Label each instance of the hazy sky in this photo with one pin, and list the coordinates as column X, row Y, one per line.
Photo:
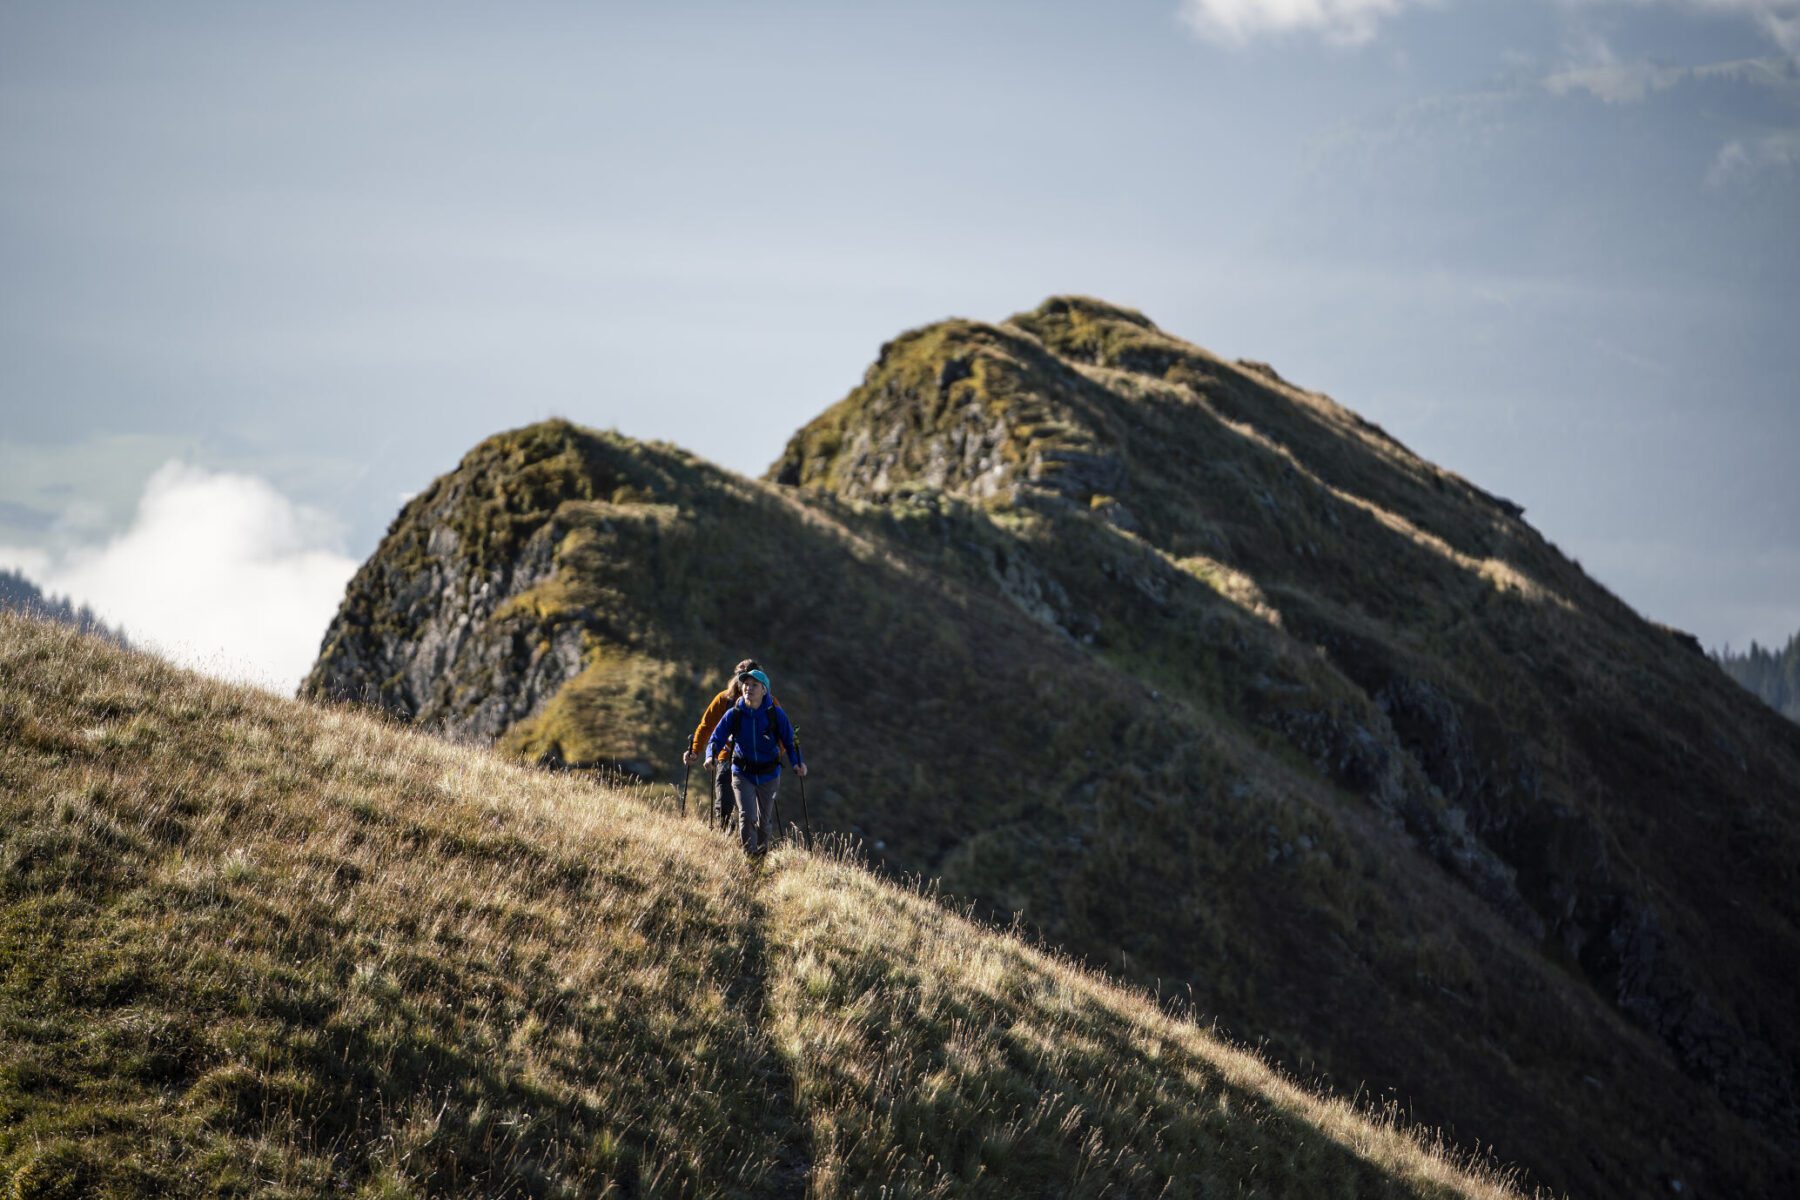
column 265, row 269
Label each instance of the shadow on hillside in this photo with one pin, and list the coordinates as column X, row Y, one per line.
column 784, row 1127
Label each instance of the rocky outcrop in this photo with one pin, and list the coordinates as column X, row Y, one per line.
column 972, row 409
column 440, row 627
column 438, row 634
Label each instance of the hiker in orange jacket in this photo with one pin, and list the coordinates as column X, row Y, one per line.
column 724, row 803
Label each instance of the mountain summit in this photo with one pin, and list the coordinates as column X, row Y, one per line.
column 1213, row 682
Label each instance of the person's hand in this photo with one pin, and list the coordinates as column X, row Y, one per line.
column 800, row 770
column 709, row 765
column 689, row 758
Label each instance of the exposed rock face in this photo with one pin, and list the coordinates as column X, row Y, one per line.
column 985, row 429
column 446, row 607
column 1210, row 678
column 1552, row 873
column 457, row 624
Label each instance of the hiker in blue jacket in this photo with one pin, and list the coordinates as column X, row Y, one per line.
column 759, row 728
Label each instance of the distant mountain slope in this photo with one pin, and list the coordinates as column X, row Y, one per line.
column 1211, row 680
column 254, row 947
column 19, row 594
column 1773, row 676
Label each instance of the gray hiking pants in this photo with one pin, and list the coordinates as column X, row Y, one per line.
column 754, row 801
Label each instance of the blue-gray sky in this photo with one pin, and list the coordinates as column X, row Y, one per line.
column 265, row 269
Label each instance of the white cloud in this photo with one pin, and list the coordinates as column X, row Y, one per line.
column 1613, row 81
column 218, row 571
column 1355, row 22
column 1740, row 159
column 26, row 560
column 1778, row 19
column 1235, row 22
column 1601, row 73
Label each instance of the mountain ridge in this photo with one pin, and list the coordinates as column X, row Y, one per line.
column 1315, row 670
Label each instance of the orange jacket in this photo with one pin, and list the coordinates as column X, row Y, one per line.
column 715, row 712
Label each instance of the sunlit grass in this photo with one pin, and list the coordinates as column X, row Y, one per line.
column 251, row 946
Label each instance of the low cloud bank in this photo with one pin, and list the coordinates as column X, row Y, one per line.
column 219, row 572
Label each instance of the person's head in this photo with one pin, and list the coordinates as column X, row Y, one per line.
column 738, row 672
column 753, row 685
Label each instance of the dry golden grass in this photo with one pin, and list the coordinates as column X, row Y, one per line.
column 949, row 1059
column 254, row 947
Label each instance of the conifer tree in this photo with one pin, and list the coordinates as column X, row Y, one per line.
column 1773, row 676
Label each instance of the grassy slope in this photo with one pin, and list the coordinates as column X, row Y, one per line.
column 251, row 947
column 1216, row 860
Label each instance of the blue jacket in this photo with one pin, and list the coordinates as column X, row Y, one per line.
column 758, row 732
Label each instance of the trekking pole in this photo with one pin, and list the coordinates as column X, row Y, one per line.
column 685, row 768
column 803, row 817
column 806, row 820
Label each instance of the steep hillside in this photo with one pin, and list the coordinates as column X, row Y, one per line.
column 1212, row 682
column 254, row 947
